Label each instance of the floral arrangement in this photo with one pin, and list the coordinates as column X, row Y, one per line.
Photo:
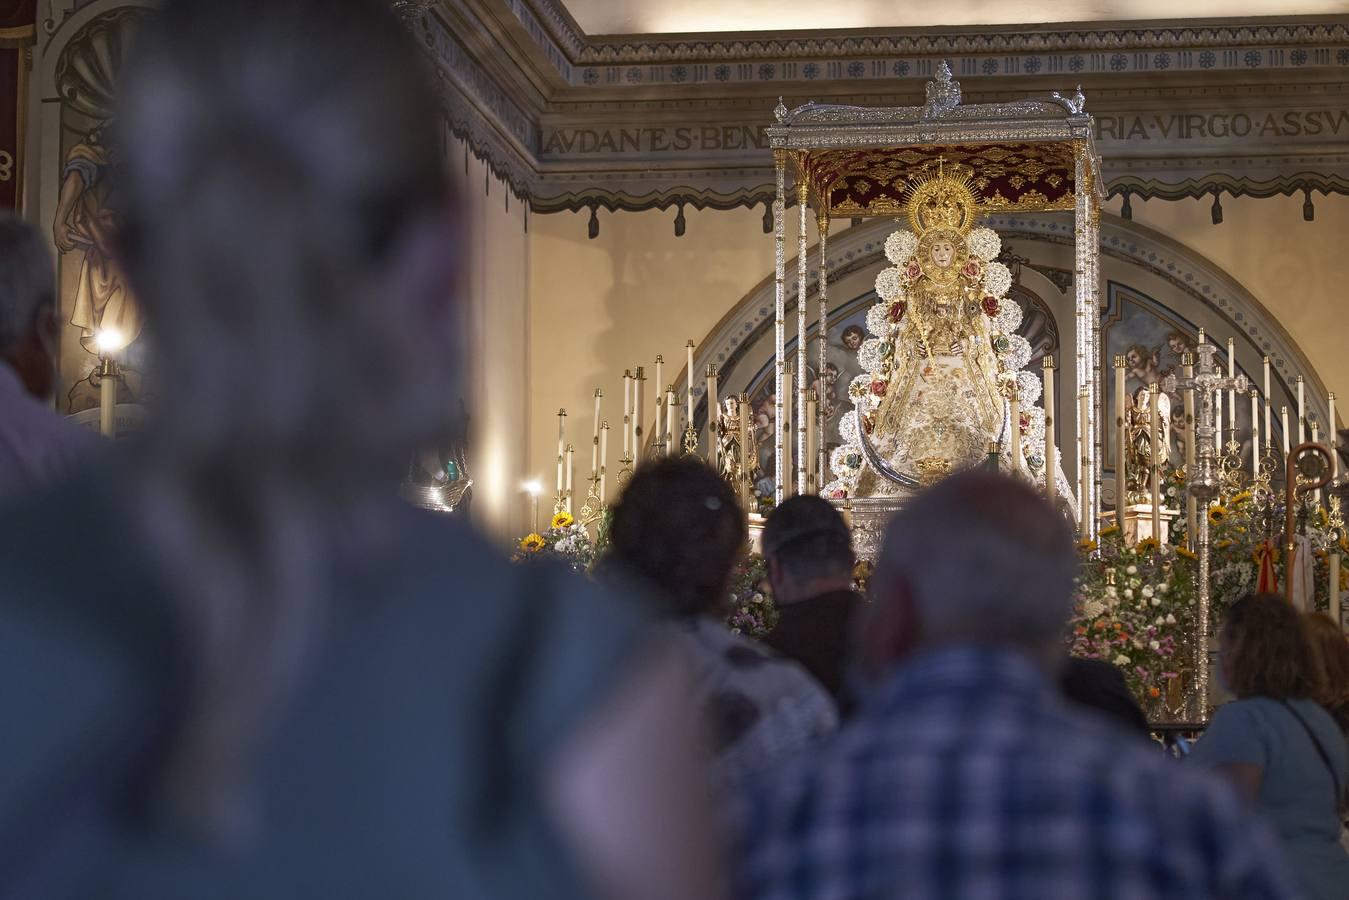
column 752, row 610
column 565, row 540
column 885, row 322
column 1135, row 609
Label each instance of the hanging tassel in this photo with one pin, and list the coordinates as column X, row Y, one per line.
column 679, row 222
column 1217, row 210
column 1267, row 581
column 1127, row 210
column 1308, row 210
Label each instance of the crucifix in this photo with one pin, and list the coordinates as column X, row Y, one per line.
column 1202, row 484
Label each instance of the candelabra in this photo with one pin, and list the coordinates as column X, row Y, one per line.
column 690, row 440
column 593, row 507
column 1203, row 484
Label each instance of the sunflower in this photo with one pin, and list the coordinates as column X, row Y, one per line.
column 1086, row 545
column 1147, row 545
column 533, row 543
column 1240, row 498
column 1221, row 545
column 1185, row 552
column 1217, row 514
column 1109, row 530
column 562, row 519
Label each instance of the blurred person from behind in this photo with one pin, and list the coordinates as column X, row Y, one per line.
column 1099, row 686
column 963, row 772
column 808, row 551
column 1330, row 652
column 678, row 529
column 267, row 676
column 1284, row 753
column 37, row 446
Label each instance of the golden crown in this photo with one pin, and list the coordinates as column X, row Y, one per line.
column 943, row 200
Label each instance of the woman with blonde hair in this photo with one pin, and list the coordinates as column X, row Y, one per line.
column 235, row 664
column 1330, row 653
column 1282, row 752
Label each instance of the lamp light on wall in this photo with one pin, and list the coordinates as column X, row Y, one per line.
column 533, row 489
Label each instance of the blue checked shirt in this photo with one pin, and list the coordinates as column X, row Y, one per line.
column 965, row 776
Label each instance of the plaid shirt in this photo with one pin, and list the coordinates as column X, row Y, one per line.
column 964, row 776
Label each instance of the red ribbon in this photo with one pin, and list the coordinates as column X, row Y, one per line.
column 1267, row 581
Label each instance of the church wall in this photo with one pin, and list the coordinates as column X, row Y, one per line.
column 1297, row 269
column 496, row 248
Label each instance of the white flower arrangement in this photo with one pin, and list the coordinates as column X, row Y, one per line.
column 888, row 285
column 1008, row 319
column 846, row 462
column 997, row 279
column 1019, row 353
column 835, row 490
column 874, row 355
column 901, row 246
column 847, row 429
column 984, row 243
column 878, row 320
column 1029, row 389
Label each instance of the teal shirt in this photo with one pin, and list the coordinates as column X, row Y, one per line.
column 1297, row 791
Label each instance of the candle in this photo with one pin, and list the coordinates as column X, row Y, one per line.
column 1316, row 438
column 745, row 488
column 812, row 406
column 1301, row 413
column 1201, row 336
column 1121, row 444
column 1334, row 592
column 1083, row 466
column 1231, row 392
column 571, row 464
column 659, row 430
column 604, row 459
column 669, row 420
column 1334, row 435
column 595, row 441
column 1154, row 428
column 107, row 400
column 639, row 383
column 1283, row 411
column 561, row 447
column 784, row 436
column 1018, row 457
column 688, row 398
column 1269, row 432
column 627, row 414
column 1218, row 421
column 1191, row 504
column 713, row 417
column 1255, row 433
column 1049, row 429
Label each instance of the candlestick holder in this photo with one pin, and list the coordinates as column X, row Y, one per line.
column 593, row 508
column 624, row 471
column 690, row 440
column 560, row 501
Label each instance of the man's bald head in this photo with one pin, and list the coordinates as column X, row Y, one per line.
column 978, row 558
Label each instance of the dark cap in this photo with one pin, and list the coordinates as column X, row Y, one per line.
column 802, row 516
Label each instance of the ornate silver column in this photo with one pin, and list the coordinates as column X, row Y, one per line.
column 1203, row 486
column 802, row 272
column 780, row 311
column 822, row 336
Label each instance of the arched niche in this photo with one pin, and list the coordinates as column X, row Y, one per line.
column 1153, row 288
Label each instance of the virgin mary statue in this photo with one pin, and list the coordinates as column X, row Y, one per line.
column 944, row 360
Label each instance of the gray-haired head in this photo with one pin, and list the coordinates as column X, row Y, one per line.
column 981, row 558
column 28, row 327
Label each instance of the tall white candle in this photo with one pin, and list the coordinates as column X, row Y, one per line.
column 627, row 414
column 1283, row 412
column 107, row 403
column 713, row 417
column 669, row 420
column 1121, row 444
column 561, row 447
column 1155, row 427
column 1269, row 431
column 1017, row 454
column 571, row 465
column 1316, row 438
column 786, row 433
column 1049, row 430
column 638, row 389
column 1218, row 420
column 688, row 394
column 812, row 405
column 1231, row 392
column 1334, row 439
column 1255, row 433
column 604, row 460
column 660, row 399
column 1301, row 412
column 595, row 440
